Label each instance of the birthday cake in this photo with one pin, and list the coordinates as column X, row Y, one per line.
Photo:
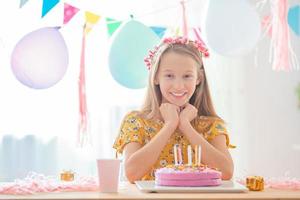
column 193, row 174
column 188, row 176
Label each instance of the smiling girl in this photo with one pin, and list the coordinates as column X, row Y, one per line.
column 177, row 110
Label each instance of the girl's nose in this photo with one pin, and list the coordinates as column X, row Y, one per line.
column 178, row 84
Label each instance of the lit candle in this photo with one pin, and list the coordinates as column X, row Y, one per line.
column 189, row 149
column 196, row 154
column 180, row 155
column 199, row 155
column 175, row 155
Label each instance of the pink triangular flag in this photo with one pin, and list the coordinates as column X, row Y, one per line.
column 69, row 12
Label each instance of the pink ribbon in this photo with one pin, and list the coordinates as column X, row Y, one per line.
column 285, row 183
column 38, row 183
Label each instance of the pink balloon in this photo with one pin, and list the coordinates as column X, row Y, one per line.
column 40, row 58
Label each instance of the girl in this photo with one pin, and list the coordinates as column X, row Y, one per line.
column 177, row 110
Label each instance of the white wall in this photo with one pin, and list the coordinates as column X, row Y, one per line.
column 260, row 106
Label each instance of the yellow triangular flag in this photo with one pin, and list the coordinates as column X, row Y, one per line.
column 177, row 31
column 90, row 19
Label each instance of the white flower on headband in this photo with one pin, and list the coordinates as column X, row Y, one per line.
column 178, row 40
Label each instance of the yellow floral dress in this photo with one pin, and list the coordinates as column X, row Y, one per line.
column 136, row 129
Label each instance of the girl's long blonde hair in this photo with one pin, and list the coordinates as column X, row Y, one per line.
column 201, row 98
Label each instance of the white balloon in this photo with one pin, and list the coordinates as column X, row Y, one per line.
column 40, row 59
column 232, row 27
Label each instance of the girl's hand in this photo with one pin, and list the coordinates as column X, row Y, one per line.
column 187, row 114
column 170, row 114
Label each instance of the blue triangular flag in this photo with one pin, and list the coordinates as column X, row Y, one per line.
column 160, row 31
column 294, row 19
column 48, row 5
column 22, row 3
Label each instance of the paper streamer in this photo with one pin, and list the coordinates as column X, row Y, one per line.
column 184, row 20
column 83, row 134
column 197, row 32
column 282, row 55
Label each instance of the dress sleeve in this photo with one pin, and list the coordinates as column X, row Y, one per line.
column 131, row 130
column 218, row 128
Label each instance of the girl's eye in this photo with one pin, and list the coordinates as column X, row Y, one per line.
column 169, row 75
column 188, row 76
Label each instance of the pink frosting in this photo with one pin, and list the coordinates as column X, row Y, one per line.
column 189, row 183
column 188, row 176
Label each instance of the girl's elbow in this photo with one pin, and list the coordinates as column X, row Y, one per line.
column 132, row 181
column 131, row 174
column 131, row 177
column 227, row 174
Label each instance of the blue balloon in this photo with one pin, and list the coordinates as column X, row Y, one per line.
column 294, row 19
column 130, row 45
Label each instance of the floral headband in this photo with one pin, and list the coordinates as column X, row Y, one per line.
column 177, row 40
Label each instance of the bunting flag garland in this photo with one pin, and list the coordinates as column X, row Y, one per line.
column 160, row 31
column 91, row 19
column 48, row 5
column 112, row 25
column 83, row 134
column 69, row 12
column 22, row 3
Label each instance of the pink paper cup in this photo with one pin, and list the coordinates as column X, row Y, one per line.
column 108, row 174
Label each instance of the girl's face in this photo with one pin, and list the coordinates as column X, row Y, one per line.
column 177, row 78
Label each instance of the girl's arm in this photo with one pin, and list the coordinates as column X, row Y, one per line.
column 140, row 159
column 214, row 153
